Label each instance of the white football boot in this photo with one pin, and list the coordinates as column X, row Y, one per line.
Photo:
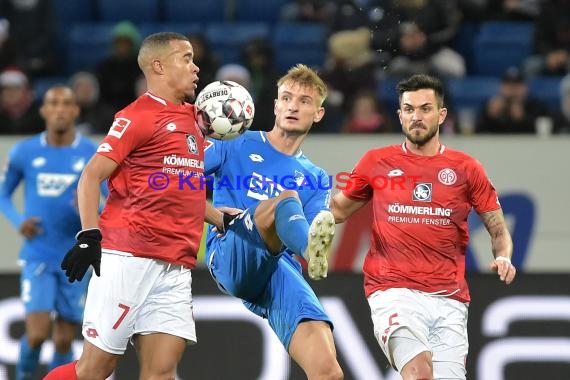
column 321, row 233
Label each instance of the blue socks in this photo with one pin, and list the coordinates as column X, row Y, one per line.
column 60, row 359
column 28, row 360
column 291, row 225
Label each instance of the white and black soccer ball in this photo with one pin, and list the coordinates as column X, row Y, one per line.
column 224, row 110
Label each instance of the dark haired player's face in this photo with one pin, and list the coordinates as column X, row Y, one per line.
column 181, row 70
column 59, row 109
column 420, row 116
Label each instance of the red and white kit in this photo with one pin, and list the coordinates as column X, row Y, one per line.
column 420, row 231
column 414, row 272
column 152, row 136
column 152, row 224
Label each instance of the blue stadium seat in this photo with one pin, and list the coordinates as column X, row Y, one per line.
column 507, row 30
column 546, row 89
column 256, row 10
column 388, row 95
column 67, row 14
column 71, row 12
column 41, row 85
column 471, row 92
column 87, row 44
column 119, row 10
column 464, row 41
column 227, row 38
column 184, row 28
column 299, row 43
column 500, row 44
column 195, row 11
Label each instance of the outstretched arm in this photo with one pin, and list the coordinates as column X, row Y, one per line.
column 9, row 181
column 343, row 207
column 97, row 170
column 87, row 250
column 502, row 245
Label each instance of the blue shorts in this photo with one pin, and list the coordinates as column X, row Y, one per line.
column 44, row 288
column 272, row 287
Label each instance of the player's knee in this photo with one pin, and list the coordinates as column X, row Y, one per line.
column 288, row 194
column 327, row 368
column 62, row 342
column 36, row 338
column 419, row 368
column 417, row 372
column 63, row 335
column 333, row 373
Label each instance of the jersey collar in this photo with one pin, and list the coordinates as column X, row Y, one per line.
column 263, row 136
column 74, row 144
column 160, row 100
column 441, row 148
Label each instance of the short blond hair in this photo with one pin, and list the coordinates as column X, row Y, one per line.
column 303, row 75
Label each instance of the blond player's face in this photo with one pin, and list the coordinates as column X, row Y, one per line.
column 420, row 115
column 181, row 71
column 297, row 107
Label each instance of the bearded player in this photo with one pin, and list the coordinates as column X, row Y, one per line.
column 414, row 272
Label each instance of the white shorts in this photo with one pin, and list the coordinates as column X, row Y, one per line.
column 137, row 295
column 408, row 322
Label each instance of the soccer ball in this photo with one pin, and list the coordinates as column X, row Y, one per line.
column 224, row 110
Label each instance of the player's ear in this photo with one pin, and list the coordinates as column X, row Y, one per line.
column 319, row 115
column 156, row 66
column 442, row 115
column 42, row 111
column 76, row 111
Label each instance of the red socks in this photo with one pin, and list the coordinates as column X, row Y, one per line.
column 64, row 372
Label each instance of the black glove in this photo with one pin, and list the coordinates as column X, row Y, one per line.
column 228, row 218
column 87, row 251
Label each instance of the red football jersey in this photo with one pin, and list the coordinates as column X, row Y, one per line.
column 420, row 207
column 156, row 203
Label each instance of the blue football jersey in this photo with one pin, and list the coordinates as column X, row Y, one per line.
column 50, row 175
column 249, row 169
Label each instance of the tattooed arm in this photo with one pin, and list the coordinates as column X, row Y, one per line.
column 502, row 245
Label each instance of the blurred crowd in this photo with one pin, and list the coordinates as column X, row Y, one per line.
column 367, row 42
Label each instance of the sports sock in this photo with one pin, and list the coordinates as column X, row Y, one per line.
column 60, row 359
column 291, row 225
column 64, row 372
column 28, row 360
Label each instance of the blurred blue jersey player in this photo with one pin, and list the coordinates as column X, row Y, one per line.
column 285, row 200
column 50, row 165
